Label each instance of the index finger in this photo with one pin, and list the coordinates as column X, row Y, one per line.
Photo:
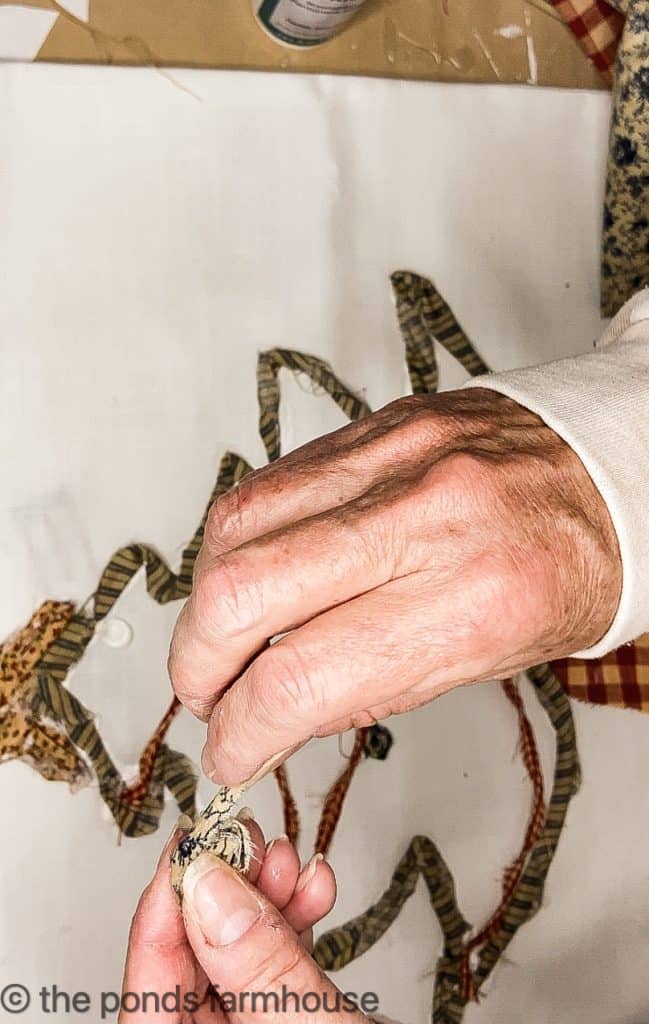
column 292, row 540
column 278, row 582
column 159, row 955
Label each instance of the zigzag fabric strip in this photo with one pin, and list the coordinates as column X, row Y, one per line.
column 322, row 376
column 319, row 372
column 407, row 290
column 333, row 802
column 339, row 946
column 136, row 809
column 425, row 318
column 512, row 874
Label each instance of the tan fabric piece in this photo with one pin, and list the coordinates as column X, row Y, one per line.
column 460, row 41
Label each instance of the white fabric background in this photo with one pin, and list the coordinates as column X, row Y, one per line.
column 152, row 241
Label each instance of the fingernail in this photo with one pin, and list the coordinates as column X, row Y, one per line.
column 306, row 875
column 246, row 814
column 268, row 766
column 183, row 824
column 283, row 838
column 213, row 773
column 219, row 901
column 207, row 762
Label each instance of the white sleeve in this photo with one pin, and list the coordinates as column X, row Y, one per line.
column 599, row 404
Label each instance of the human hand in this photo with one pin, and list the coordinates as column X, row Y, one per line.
column 238, row 935
column 444, row 540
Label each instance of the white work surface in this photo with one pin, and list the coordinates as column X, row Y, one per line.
column 153, row 239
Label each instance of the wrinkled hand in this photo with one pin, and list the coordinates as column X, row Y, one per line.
column 236, row 936
column 444, row 540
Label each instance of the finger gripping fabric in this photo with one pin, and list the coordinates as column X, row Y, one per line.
column 216, row 831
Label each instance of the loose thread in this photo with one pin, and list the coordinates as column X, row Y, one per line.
column 335, row 798
column 512, row 873
column 289, row 806
column 135, row 793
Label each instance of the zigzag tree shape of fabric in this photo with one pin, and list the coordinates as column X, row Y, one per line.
column 137, row 807
column 425, row 318
column 135, row 812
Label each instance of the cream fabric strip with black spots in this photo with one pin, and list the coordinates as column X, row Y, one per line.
column 625, row 240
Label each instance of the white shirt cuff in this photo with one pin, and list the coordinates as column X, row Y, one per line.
column 599, row 404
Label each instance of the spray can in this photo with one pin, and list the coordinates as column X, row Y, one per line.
column 304, row 22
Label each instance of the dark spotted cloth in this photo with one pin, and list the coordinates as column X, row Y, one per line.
column 625, row 240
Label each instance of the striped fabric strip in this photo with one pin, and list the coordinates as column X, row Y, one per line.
column 339, row 946
column 136, row 809
column 321, row 375
column 425, row 318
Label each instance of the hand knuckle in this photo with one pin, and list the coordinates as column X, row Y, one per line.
column 286, row 682
column 468, row 477
column 417, row 425
column 226, row 599
column 179, row 669
column 225, row 519
column 420, row 413
column 138, row 932
column 187, row 691
column 362, row 719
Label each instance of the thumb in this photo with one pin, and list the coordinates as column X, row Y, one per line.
column 252, row 957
